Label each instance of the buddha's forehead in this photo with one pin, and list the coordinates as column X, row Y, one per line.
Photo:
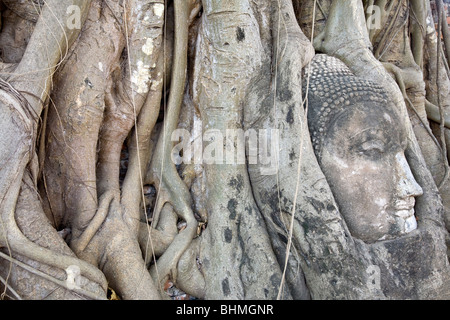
column 367, row 118
column 364, row 115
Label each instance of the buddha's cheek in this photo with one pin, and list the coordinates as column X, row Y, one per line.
column 363, row 191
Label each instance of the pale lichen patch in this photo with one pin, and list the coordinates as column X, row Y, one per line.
column 141, row 77
column 147, row 48
column 158, row 9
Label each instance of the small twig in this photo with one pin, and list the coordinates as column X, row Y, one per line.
column 321, row 10
column 8, row 287
column 387, row 32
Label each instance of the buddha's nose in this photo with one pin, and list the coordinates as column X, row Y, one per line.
column 407, row 186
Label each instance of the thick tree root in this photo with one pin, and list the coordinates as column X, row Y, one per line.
column 21, row 121
column 434, row 114
column 79, row 244
column 171, row 189
column 140, row 150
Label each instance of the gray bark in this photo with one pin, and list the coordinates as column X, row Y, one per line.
column 241, row 264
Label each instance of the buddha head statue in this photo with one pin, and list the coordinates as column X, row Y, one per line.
column 359, row 140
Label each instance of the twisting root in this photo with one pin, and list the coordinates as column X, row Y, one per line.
column 171, row 189
column 17, row 242
column 79, row 244
column 140, row 147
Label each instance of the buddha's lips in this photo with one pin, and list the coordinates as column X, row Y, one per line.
column 405, row 214
column 405, row 208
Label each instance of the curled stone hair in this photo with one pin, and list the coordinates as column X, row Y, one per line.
column 333, row 88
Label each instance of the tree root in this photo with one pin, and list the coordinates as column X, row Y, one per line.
column 29, row 10
column 140, row 148
column 153, row 240
column 94, row 231
column 21, row 245
column 190, row 277
column 49, row 42
column 12, row 180
column 79, row 244
column 383, row 45
column 430, row 109
column 397, row 72
column 112, row 240
column 418, row 30
column 58, row 282
column 434, row 114
column 171, row 189
column 16, row 242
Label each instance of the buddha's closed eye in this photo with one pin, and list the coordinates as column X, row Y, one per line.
column 373, row 147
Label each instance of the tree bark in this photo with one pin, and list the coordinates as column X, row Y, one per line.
column 89, row 178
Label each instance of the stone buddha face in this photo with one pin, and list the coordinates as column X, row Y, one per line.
column 359, row 140
column 364, row 162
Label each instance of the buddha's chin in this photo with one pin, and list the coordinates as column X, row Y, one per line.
column 410, row 224
column 406, row 221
